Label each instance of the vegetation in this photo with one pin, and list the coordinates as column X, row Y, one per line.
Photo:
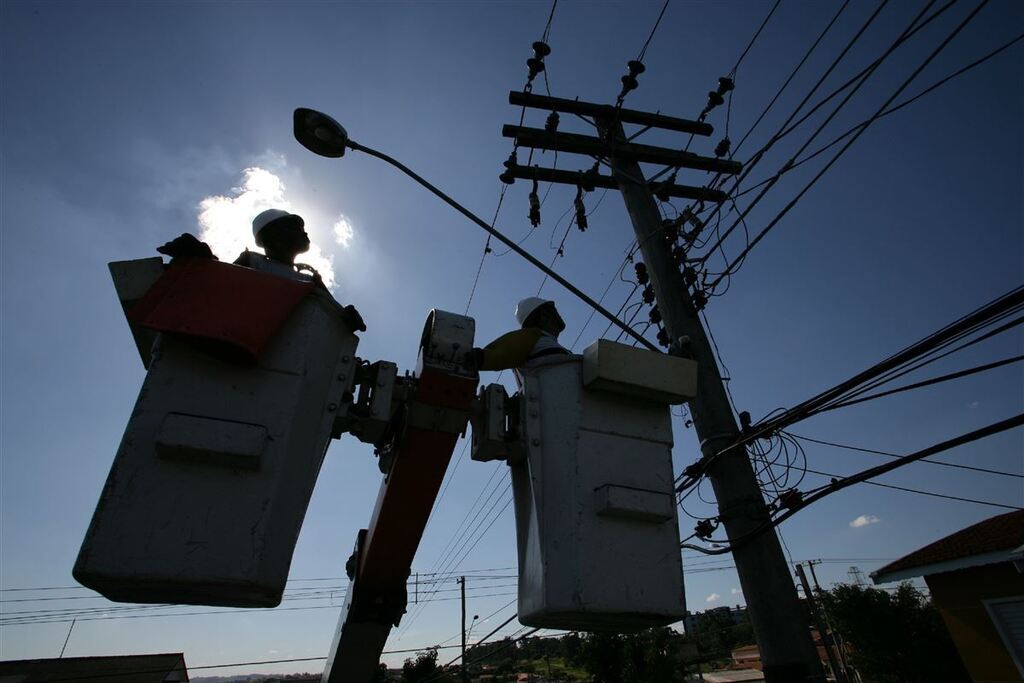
column 893, row 637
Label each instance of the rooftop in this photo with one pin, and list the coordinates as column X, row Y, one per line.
column 990, row 541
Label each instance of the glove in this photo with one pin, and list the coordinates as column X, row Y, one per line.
column 186, row 246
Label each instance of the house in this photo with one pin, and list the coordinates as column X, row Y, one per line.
column 976, row 578
column 160, row 668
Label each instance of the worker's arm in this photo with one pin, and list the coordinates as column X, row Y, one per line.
column 508, row 351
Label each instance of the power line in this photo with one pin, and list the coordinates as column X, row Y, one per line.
column 754, row 38
column 654, row 29
column 929, row 382
column 891, row 110
column 795, row 200
column 906, row 360
column 922, row 493
column 792, row 75
column 887, row 454
column 861, row 477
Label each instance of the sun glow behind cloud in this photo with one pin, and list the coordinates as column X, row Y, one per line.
column 225, row 221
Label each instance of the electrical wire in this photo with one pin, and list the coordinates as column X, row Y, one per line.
column 891, row 110
column 654, row 29
column 859, row 449
column 913, row 357
column 922, row 493
column 863, row 476
column 860, row 131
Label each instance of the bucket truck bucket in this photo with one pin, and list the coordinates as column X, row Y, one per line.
column 592, row 477
column 247, row 375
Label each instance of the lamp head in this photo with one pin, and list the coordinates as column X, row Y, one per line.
column 319, row 133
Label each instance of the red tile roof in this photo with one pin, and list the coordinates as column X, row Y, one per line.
column 1002, row 532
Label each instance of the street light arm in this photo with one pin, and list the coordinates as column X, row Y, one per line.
column 506, row 241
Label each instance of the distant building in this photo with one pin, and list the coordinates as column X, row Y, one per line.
column 691, row 621
column 162, row 668
column 976, row 581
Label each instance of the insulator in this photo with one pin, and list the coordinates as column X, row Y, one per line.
column 641, row 273
column 635, row 67
column 648, row 295
column 678, row 254
column 700, row 300
column 629, row 83
column 536, row 66
column 725, row 84
column 542, row 50
column 581, row 210
column 745, row 421
column 714, row 100
column 551, row 125
column 663, row 337
column 655, row 315
column 510, row 163
column 689, row 276
column 534, row 206
column 722, row 148
column 488, row 250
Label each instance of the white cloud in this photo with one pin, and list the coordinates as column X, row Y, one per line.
column 714, row 597
column 343, row 231
column 736, row 591
column 225, row 221
column 864, row 520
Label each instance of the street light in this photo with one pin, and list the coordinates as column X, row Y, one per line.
column 471, row 625
column 319, row 133
column 322, row 135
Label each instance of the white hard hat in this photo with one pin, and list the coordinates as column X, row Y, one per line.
column 269, row 216
column 527, row 306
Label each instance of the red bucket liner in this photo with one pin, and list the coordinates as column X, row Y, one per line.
column 236, row 307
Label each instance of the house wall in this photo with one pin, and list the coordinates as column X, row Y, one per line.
column 958, row 596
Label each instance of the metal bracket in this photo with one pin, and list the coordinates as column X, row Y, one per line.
column 494, row 421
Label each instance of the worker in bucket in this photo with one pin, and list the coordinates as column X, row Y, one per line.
column 534, row 344
column 282, row 236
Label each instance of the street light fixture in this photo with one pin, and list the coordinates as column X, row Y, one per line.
column 322, row 135
column 319, row 133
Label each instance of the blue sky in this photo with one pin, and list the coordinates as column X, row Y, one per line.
column 124, row 125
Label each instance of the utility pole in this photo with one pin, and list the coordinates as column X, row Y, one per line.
column 819, row 623
column 837, row 638
column 465, row 672
column 779, row 621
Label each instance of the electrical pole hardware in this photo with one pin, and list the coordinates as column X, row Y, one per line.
column 779, row 620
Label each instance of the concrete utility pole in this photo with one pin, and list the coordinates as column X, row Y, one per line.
column 819, row 623
column 779, row 620
column 837, row 638
column 465, row 672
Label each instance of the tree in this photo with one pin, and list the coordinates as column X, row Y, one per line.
column 650, row 656
column 894, row 637
column 424, row 668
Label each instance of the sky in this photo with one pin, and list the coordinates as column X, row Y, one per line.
column 123, row 125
